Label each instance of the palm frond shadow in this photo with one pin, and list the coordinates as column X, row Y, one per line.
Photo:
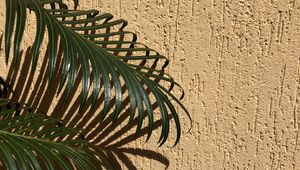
column 42, row 96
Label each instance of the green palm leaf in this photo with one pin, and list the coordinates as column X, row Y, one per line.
column 85, row 46
column 35, row 141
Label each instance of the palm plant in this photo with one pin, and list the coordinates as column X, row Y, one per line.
column 115, row 71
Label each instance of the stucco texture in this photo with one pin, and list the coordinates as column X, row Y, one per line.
column 239, row 64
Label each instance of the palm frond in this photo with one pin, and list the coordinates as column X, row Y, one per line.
column 85, row 46
column 35, row 141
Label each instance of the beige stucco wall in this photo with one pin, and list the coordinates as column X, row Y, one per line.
column 239, row 63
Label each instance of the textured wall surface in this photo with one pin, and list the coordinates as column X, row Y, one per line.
column 239, row 63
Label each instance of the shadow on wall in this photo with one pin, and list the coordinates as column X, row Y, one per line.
column 109, row 136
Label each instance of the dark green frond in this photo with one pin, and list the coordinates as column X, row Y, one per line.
column 35, row 141
column 106, row 58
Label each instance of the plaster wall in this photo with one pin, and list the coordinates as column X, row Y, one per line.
column 239, row 63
